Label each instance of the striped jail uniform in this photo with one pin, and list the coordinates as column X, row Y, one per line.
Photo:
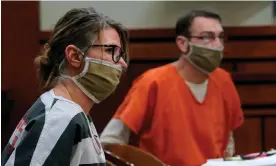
column 54, row 132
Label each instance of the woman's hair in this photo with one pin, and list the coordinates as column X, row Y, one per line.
column 79, row 27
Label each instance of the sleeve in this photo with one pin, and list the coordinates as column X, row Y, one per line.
column 115, row 132
column 137, row 109
column 47, row 140
column 237, row 113
column 230, row 149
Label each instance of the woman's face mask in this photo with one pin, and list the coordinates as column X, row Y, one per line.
column 98, row 79
column 204, row 58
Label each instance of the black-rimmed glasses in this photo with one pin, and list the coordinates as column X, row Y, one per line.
column 115, row 51
column 209, row 38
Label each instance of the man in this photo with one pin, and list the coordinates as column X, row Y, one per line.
column 185, row 112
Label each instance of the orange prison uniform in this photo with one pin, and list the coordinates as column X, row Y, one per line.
column 172, row 124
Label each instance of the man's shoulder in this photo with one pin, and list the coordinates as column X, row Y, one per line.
column 221, row 74
column 222, row 79
column 221, row 71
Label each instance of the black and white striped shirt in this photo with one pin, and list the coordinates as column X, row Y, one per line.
column 54, row 132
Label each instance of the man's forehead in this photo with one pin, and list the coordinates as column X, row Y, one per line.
column 203, row 24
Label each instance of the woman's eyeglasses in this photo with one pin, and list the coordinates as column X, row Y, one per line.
column 115, row 51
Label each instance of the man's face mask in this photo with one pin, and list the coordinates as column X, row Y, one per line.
column 98, row 79
column 204, row 58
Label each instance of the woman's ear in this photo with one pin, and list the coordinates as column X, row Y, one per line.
column 73, row 56
column 182, row 44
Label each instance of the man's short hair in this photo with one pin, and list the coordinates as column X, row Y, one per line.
column 183, row 24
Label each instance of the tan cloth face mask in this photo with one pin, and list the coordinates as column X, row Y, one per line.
column 98, row 79
column 203, row 58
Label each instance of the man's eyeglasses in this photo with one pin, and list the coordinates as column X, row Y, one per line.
column 115, row 51
column 209, row 38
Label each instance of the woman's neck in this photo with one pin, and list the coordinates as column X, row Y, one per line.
column 69, row 90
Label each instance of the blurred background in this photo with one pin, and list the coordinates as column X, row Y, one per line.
column 250, row 55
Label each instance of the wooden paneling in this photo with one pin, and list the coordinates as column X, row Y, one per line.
column 256, row 68
column 260, row 113
column 233, row 50
column 169, row 33
column 248, row 137
column 270, row 132
column 153, row 51
column 20, row 27
column 265, row 129
column 257, row 94
column 251, row 31
column 267, row 125
column 250, row 49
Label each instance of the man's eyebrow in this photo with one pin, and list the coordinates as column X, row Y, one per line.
column 211, row 32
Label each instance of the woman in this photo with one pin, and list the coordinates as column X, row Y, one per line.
column 82, row 65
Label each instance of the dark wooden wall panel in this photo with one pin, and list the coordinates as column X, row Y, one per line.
column 270, row 132
column 257, row 68
column 20, row 27
column 257, row 94
column 153, row 51
column 238, row 50
column 248, row 137
column 250, row 49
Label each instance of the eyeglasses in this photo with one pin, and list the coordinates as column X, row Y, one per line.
column 115, row 51
column 209, row 38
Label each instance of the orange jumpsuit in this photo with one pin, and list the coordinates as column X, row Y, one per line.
column 172, row 124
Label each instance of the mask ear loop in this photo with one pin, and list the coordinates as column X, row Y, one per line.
column 61, row 65
column 189, row 46
column 190, row 49
column 82, row 55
